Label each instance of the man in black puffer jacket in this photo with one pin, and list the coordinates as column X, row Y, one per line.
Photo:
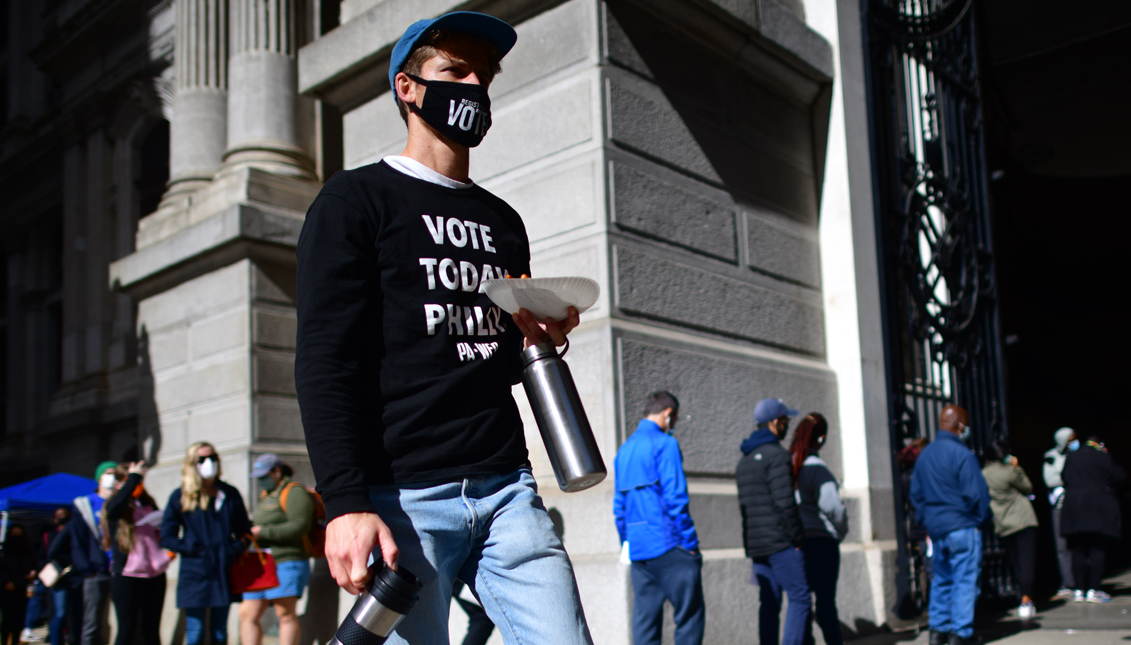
column 771, row 524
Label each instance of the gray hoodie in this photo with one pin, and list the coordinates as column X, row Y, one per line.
column 818, row 497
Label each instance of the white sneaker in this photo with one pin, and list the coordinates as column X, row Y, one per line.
column 1078, row 595
column 1026, row 611
column 28, row 636
column 1065, row 592
column 1095, row 595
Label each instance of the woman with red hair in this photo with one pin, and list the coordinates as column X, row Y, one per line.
column 824, row 519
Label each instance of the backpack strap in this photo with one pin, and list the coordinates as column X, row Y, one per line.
column 83, row 506
column 283, row 495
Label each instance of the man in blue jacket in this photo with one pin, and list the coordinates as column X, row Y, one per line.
column 651, row 510
column 951, row 500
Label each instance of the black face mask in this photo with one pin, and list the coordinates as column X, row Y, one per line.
column 459, row 111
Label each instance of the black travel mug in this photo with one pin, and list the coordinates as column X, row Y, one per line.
column 380, row 609
column 561, row 419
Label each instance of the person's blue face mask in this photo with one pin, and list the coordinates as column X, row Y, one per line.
column 267, row 483
column 1073, row 445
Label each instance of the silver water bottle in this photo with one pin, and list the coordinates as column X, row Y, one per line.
column 561, row 419
column 379, row 610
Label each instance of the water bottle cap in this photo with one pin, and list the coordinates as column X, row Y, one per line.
column 539, row 352
column 395, row 589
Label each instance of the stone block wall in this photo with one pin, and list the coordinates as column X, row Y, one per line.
column 673, row 153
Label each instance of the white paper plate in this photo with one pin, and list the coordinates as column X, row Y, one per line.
column 543, row 297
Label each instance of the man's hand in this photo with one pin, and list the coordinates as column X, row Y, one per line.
column 138, row 468
column 350, row 539
column 538, row 331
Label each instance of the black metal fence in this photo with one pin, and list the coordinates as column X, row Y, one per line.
column 936, row 250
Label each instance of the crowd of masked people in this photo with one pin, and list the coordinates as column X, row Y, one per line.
column 951, row 500
column 793, row 520
column 114, row 546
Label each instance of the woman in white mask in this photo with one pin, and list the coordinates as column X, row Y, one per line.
column 206, row 523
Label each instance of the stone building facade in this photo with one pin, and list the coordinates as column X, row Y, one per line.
column 705, row 161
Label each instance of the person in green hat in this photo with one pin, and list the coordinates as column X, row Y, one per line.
column 91, row 561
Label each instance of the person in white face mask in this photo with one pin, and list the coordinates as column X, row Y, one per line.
column 206, row 522
column 91, row 561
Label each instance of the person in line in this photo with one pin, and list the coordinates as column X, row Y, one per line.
column 952, row 501
column 91, row 561
column 651, row 510
column 37, row 599
column 206, row 523
column 66, row 595
column 137, row 562
column 825, row 520
column 281, row 522
column 1091, row 518
column 916, row 534
column 772, row 531
column 1051, row 470
column 17, row 570
column 404, row 377
column 1014, row 519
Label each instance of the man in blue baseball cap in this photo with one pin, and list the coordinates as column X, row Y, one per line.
column 772, row 531
column 404, row 367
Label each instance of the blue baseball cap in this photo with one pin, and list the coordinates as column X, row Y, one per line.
column 264, row 464
column 499, row 33
column 769, row 409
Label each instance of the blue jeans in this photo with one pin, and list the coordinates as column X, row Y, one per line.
column 784, row 570
column 194, row 624
column 954, row 581
column 676, row 576
column 822, row 568
column 493, row 533
column 35, row 605
column 62, row 599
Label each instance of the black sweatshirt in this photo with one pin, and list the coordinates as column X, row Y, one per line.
column 403, row 366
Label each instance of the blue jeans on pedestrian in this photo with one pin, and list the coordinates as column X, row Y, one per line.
column 782, row 571
column 61, row 598
column 676, row 576
column 493, row 533
column 954, row 581
column 194, row 624
column 822, row 568
column 35, row 605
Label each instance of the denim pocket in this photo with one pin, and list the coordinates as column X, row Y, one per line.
column 960, row 541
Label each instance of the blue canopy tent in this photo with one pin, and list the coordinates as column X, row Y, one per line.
column 38, row 498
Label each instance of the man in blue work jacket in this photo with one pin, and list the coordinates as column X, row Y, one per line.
column 651, row 510
column 951, row 499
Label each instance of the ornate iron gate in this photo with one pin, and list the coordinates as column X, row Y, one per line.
column 936, row 253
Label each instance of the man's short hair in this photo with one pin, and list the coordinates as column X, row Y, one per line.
column 659, row 401
column 429, row 47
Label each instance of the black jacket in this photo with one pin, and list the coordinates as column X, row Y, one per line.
column 1090, row 503
column 770, row 517
column 83, row 547
column 59, row 552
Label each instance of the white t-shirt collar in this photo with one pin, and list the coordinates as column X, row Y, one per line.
column 414, row 168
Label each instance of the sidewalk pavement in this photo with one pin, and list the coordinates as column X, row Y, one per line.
column 1058, row 622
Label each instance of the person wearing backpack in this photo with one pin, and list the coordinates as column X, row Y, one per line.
column 282, row 522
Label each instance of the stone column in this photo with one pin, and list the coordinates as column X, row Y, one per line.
column 198, row 133
column 261, row 105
